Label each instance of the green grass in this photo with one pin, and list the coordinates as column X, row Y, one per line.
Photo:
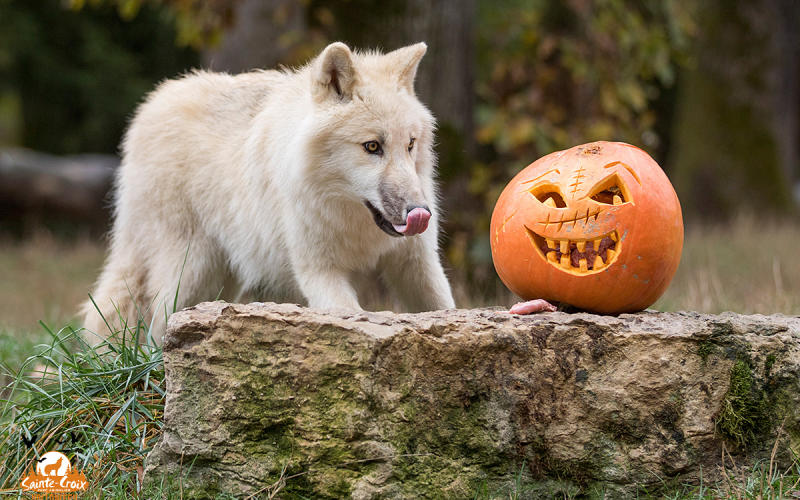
column 101, row 405
column 763, row 481
column 15, row 349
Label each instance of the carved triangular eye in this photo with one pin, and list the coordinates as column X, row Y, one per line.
column 610, row 191
column 549, row 195
column 553, row 200
column 612, row 195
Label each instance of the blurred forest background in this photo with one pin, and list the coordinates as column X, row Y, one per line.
column 711, row 89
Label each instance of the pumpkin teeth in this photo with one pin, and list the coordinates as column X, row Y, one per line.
column 587, row 256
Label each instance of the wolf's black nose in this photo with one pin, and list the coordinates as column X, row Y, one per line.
column 412, row 207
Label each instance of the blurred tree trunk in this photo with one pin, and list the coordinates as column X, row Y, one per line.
column 446, row 74
column 266, row 33
column 733, row 147
column 445, row 83
column 786, row 82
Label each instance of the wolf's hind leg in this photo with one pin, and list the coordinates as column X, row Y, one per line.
column 183, row 274
column 118, row 297
column 149, row 288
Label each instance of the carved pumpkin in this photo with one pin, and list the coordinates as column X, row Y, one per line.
column 597, row 226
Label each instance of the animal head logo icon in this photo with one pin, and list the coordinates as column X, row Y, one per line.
column 53, row 463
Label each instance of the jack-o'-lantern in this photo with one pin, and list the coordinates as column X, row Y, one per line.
column 597, row 226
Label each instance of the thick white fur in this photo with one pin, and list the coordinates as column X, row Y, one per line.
column 258, row 182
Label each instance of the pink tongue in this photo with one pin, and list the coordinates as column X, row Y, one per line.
column 416, row 222
column 532, row 306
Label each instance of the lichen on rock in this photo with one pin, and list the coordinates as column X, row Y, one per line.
column 443, row 404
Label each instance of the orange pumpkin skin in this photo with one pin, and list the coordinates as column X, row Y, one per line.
column 616, row 204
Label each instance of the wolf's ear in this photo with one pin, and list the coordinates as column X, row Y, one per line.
column 406, row 60
column 334, row 74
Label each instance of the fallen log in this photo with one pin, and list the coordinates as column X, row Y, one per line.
column 42, row 187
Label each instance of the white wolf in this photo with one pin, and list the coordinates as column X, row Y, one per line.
column 276, row 185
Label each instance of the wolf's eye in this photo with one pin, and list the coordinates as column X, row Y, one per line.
column 411, row 144
column 373, row 147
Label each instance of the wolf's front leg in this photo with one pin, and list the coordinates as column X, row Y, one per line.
column 326, row 288
column 414, row 271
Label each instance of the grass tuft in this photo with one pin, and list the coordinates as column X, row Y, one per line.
column 101, row 405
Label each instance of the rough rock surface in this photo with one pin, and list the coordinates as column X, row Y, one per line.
column 448, row 404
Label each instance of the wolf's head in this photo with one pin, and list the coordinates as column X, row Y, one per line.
column 373, row 139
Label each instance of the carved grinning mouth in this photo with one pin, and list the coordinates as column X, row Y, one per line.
column 587, row 256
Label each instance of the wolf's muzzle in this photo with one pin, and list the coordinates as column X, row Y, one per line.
column 416, row 221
